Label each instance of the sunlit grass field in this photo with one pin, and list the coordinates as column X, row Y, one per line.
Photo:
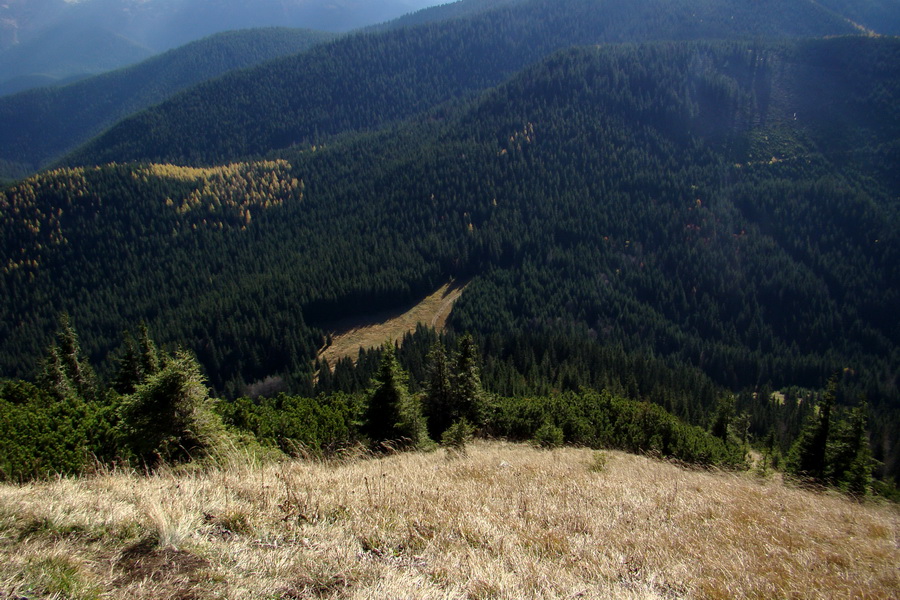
column 501, row 521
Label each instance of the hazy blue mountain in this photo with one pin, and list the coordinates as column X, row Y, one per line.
column 35, row 80
column 21, row 19
column 47, row 40
column 39, row 125
column 879, row 16
column 442, row 12
column 64, row 51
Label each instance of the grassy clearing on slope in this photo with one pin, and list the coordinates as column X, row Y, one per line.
column 349, row 335
column 502, row 521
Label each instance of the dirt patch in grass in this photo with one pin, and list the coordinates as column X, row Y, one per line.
column 349, row 335
column 172, row 573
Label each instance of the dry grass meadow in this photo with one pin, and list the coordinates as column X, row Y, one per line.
column 502, row 521
column 349, row 335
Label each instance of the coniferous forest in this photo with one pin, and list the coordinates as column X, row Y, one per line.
column 678, row 220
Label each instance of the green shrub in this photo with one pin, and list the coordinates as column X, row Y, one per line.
column 458, row 435
column 170, row 417
column 295, row 424
column 40, row 436
column 549, row 435
column 602, row 420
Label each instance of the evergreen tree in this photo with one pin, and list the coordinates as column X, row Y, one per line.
column 150, row 357
column 723, row 417
column 850, row 460
column 466, row 390
column 807, row 458
column 438, row 398
column 392, row 413
column 53, row 378
column 769, row 459
column 65, row 373
column 325, row 380
column 139, row 361
column 76, row 367
column 170, row 417
column 129, row 374
column 458, row 435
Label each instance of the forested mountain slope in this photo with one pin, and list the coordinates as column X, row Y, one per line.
column 368, row 80
column 682, row 199
column 39, row 125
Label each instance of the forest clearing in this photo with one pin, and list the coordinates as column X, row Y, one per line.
column 349, row 335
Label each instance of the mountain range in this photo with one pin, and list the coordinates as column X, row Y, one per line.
column 43, row 42
column 43, row 124
column 707, row 188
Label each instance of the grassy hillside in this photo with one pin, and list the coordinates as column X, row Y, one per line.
column 40, row 125
column 502, row 521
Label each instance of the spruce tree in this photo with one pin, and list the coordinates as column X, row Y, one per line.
column 53, row 378
column 129, row 374
column 438, row 398
column 723, row 417
column 65, row 373
column 807, row 458
column 140, row 361
column 392, row 414
column 150, row 357
column 467, row 392
column 170, row 417
column 850, row 460
column 325, row 379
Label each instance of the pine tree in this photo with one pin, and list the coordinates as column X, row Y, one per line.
column 140, row 361
column 65, row 373
column 770, row 452
column 129, row 374
column 325, row 379
column 77, row 368
column 850, row 460
column 723, row 417
column 53, row 378
column 150, row 357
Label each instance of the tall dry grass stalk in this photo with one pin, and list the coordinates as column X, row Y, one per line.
column 503, row 521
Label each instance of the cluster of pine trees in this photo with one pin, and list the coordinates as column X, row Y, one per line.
column 157, row 409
